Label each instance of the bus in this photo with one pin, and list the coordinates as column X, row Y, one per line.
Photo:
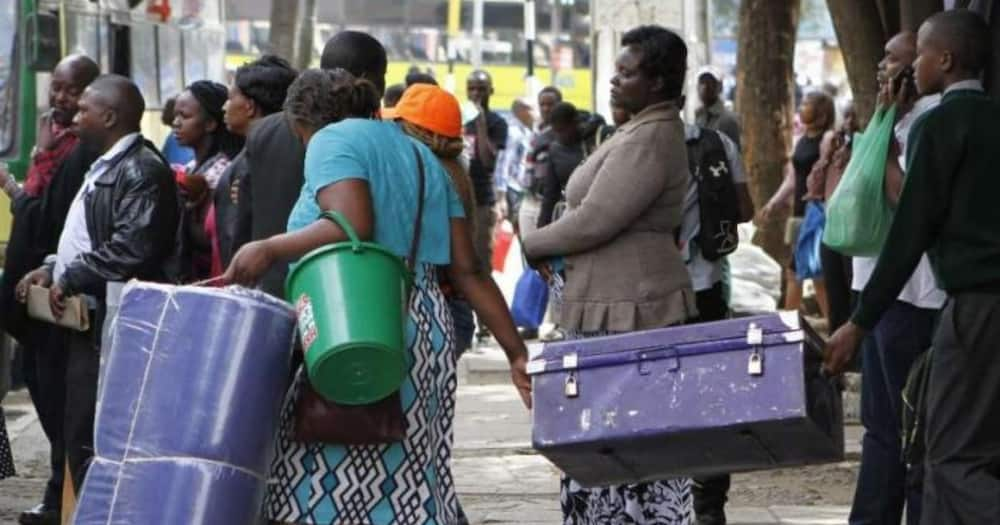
column 161, row 45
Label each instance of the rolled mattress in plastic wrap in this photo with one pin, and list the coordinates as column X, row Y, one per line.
column 191, row 387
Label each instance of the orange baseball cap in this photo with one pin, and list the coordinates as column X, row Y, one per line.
column 429, row 107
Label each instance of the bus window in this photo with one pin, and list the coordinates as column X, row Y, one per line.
column 83, row 35
column 204, row 55
column 195, row 56
column 144, row 70
column 8, row 73
column 171, row 74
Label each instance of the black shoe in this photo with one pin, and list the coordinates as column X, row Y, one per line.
column 712, row 518
column 39, row 515
column 528, row 334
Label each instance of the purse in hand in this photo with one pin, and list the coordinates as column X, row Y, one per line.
column 318, row 420
column 76, row 317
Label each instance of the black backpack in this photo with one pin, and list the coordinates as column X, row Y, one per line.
column 717, row 199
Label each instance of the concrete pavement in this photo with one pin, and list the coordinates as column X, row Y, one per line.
column 501, row 481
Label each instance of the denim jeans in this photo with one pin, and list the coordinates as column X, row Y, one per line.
column 903, row 334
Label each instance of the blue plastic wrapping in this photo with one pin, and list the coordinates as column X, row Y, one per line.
column 191, row 386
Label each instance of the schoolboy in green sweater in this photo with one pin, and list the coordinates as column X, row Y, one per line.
column 948, row 209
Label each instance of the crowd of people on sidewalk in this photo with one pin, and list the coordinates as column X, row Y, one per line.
column 629, row 223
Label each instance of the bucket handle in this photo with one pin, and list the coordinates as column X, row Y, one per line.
column 345, row 225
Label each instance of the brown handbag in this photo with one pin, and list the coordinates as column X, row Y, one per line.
column 319, row 420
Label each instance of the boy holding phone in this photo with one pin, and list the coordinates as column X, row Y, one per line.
column 947, row 208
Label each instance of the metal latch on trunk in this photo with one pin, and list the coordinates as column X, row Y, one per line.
column 570, row 362
column 755, row 338
column 571, row 389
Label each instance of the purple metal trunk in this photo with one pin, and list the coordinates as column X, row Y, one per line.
column 730, row 396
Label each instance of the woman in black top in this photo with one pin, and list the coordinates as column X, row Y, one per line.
column 818, row 115
column 258, row 90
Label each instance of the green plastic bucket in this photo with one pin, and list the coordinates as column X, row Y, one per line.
column 349, row 298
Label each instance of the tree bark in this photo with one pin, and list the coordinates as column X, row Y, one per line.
column 765, row 99
column 990, row 10
column 862, row 40
column 306, row 30
column 912, row 13
column 281, row 39
column 888, row 11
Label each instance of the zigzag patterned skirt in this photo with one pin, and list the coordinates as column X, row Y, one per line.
column 666, row 502
column 408, row 483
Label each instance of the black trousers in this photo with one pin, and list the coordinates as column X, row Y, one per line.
column 962, row 477
column 837, row 273
column 82, row 370
column 44, row 363
column 711, row 493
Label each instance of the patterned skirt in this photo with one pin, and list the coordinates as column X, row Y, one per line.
column 666, row 502
column 6, row 458
column 407, row 483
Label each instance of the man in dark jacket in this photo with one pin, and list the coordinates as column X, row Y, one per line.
column 39, row 208
column 121, row 225
column 275, row 155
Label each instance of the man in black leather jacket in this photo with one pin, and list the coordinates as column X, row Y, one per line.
column 122, row 225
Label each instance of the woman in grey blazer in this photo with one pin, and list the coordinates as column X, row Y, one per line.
column 624, row 271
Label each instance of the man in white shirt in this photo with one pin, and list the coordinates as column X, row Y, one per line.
column 510, row 175
column 122, row 224
column 708, row 279
column 903, row 334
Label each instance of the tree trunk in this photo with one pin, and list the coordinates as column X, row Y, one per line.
column 888, row 11
column 284, row 15
column 307, row 29
column 765, row 99
column 912, row 13
column 862, row 40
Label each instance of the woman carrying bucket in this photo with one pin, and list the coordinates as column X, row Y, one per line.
column 368, row 171
column 432, row 115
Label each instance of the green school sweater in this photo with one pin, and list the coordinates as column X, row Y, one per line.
column 949, row 208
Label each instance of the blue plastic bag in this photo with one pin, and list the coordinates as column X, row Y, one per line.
column 807, row 259
column 531, row 297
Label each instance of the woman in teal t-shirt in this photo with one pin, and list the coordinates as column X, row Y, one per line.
column 367, row 170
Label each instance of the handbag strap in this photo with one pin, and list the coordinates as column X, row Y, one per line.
column 418, row 226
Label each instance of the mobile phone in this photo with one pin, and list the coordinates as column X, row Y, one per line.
column 904, row 77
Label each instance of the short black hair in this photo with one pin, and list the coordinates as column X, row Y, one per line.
column 266, row 81
column 481, row 75
column 551, row 90
column 664, row 54
column 825, row 105
column 123, row 96
column 418, row 77
column 82, row 69
column 564, row 113
column 167, row 116
column 361, row 54
column 392, row 95
column 966, row 35
column 320, row 97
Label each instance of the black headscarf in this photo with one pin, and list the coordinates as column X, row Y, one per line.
column 212, row 96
